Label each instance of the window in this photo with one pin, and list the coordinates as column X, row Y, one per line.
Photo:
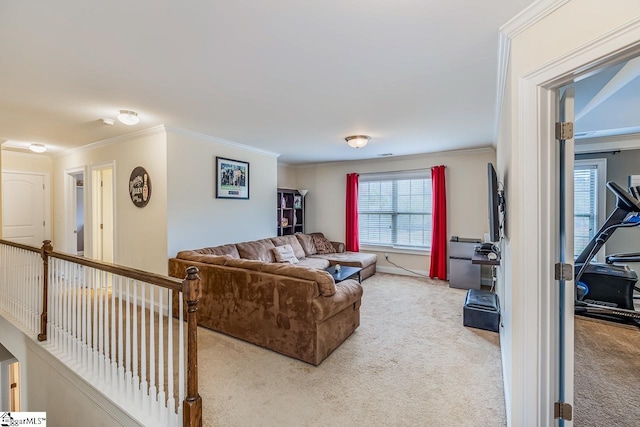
column 394, row 209
column 588, row 201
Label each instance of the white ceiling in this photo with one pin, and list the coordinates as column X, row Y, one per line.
column 288, row 76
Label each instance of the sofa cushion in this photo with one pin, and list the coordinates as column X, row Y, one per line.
column 198, row 257
column 258, row 249
column 306, row 241
column 230, row 250
column 290, row 240
column 285, row 253
column 319, row 263
column 326, row 285
column 323, row 245
column 249, row 264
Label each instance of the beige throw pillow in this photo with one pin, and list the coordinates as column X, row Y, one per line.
column 285, row 253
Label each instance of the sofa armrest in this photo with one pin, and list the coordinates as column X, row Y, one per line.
column 348, row 292
column 339, row 246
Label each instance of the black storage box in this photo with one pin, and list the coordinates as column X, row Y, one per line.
column 481, row 310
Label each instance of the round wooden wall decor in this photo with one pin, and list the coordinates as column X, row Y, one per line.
column 140, row 187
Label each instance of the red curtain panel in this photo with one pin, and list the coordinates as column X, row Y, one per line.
column 438, row 267
column 352, row 241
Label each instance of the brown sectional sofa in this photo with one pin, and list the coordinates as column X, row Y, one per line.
column 294, row 309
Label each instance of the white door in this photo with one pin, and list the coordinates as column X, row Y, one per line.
column 566, row 290
column 23, row 208
column 102, row 215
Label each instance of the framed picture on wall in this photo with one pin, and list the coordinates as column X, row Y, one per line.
column 232, row 179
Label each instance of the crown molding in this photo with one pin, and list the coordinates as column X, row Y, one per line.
column 220, row 141
column 534, row 13
column 127, row 137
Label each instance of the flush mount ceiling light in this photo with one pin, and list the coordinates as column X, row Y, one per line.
column 357, row 141
column 128, row 117
column 37, row 148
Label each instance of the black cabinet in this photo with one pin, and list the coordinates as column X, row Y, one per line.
column 290, row 212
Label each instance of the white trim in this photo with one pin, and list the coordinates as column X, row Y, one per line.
column 525, row 19
column 401, row 272
column 533, row 14
column 220, row 141
column 127, row 137
column 536, row 176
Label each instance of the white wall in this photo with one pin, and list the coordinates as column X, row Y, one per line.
column 287, row 176
column 572, row 25
column 195, row 218
column 466, row 176
column 140, row 233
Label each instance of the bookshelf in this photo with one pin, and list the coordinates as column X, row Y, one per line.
column 290, row 207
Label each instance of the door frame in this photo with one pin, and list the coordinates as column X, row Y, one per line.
column 537, row 175
column 47, row 196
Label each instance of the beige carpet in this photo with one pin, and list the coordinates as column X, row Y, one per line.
column 607, row 373
column 410, row 363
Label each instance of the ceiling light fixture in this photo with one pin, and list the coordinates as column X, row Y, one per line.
column 128, row 117
column 357, row 141
column 37, row 148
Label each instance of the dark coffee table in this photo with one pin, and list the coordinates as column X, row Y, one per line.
column 345, row 273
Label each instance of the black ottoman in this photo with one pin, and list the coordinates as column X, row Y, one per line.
column 481, row 310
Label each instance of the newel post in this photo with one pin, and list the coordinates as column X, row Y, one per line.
column 44, row 253
column 192, row 291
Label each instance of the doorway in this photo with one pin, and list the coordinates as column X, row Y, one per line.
column 538, row 100
column 75, row 211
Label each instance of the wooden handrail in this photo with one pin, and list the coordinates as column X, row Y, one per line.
column 20, row 246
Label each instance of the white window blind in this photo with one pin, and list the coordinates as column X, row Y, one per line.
column 394, row 209
column 585, row 178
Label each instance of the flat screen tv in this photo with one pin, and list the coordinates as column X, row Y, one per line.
column 494, row 204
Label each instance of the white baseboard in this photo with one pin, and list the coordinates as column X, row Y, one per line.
column 400, row 271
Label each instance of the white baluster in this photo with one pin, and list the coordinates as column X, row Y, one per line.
column 161, row 395
column 114, row 365
column 127, row 380
column 144, row 385
column 171, row 402
column 120, row 339
column 135, row 379
column 152, row 354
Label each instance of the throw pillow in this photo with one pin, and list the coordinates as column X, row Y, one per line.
column 323, row 245
column 285, row 253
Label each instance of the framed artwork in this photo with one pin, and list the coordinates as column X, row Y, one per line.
column 297, row 202
column 232, row 179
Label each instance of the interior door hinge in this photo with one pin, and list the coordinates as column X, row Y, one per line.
column 564, row 130
column 562, row 411
column 101, row 226
column 564, row 271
